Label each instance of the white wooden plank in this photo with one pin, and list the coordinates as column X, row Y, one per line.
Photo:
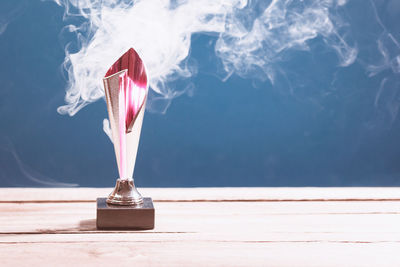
column 199, row 254
column 259, row 221
column 208, row 194
column 240, row 232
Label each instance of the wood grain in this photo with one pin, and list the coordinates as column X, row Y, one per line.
column 206, row 232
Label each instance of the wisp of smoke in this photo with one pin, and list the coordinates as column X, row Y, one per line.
column 8, row 15
column 251, row 37
column 27, row 172
column 387, row 99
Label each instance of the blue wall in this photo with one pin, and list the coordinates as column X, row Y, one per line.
column 321, row 125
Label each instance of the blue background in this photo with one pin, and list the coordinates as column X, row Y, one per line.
column 337, row 129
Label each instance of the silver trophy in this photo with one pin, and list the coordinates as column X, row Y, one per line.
column 126, row 88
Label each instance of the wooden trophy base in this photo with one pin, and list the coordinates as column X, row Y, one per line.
column 117, row 217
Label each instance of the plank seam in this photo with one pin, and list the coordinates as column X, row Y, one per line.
column 203, row 241
column 211, row 200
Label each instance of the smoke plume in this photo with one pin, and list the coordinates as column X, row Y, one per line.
column 251, row 37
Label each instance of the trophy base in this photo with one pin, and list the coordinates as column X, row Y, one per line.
column 117, row 217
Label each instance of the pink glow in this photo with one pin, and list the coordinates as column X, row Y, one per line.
column 132, row 95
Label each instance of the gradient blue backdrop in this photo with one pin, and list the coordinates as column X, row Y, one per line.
column 336, row 129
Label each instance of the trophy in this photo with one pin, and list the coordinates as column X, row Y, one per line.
column 126, row 88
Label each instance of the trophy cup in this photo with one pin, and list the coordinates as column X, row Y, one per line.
column 126, row 87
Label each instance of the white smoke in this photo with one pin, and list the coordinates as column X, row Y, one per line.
column 387, row 69
column 3, row 27
column 251, row 37
column 389, row 48
column 7, row 148
column 9, row 15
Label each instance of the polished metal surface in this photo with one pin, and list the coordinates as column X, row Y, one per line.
column 125, row 143
column 126, row 90
column 125, row 193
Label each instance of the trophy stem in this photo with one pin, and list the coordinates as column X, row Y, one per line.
column 125, row 193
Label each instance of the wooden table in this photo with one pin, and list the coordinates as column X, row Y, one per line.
column 206, row 227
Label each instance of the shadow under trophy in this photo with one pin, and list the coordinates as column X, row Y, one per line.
column 126, row 88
